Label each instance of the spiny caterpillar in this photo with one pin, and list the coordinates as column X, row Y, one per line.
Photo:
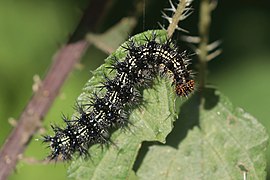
column 110, row 106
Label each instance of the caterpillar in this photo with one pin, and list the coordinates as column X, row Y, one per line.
column 119, row 93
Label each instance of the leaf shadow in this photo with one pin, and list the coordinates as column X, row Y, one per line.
column 189, row 115
column 188, row 118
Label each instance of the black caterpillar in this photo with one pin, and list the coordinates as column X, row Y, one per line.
column 121, row 93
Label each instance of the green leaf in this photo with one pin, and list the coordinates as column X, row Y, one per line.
column 152, row 122
column 224, row 143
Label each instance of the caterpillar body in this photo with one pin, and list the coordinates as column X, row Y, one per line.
column 119, row 93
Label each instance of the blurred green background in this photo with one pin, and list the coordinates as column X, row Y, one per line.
column 31, row 31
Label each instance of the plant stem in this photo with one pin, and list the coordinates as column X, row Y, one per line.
column 204, row 24
column 37, row 107
column 176, row 17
